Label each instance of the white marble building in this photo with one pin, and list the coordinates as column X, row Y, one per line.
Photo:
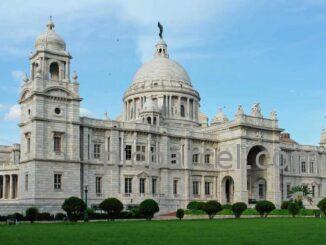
column 161, row 147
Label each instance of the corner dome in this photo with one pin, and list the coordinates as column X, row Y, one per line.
column 49, row 39
column 161, row 68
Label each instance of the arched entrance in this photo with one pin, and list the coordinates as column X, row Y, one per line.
column 227, row 190
column 257, row 161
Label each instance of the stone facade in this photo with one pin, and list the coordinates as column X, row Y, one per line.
column 161, row 147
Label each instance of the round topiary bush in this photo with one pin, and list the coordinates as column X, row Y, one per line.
column 113, row 207
column 44, row 216
column 74, row 208
column 211, row 208
column 294, row 208
column 148, row 208
column 322, row 206
column 264, row 208
column 18, row 216
column 285, row 204
column 227, row 206
column 238, row 208
column 180, row 214
column 59, row 216
column 32, row 214
column 195, row 205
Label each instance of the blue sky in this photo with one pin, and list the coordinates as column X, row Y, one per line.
column 236, row 52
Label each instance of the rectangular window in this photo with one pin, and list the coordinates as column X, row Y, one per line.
column 98, row 185
column 175, row 187
column 173, row 158
column 207, row 188
column 261, row 190
column 142, row 185
column 26, row 182
column 97, row 151
column 313, row 190
column 195, row 187
column 120, row 147
column 57, row 181
column 140, row 154
column 108, row 147
column 207, row 158
column 288, row 189
column 311, row 167
column 128, row 150
column 128, row 185
column 195, row 158
column 154, row 182
column 303, row 167
column 153, row 154
column 57, row 143
column 28, row 142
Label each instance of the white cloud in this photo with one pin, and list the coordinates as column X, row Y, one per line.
column 13, row 113
column 85, row 112
column 1, row 107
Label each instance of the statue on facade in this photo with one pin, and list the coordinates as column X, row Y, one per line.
column 256, row 111
column 159, row 25
column 239, row 111
column 273, row 115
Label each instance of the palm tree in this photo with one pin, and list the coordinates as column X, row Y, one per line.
column 300, row 193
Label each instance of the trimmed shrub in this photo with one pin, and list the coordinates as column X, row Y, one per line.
column 32, row 214
column 294, row 208
column 211, row 208
column 125, row 215
column 180, row 214
column 238, row 208
column 60, row 216
column 18, row 216
column 227, row 206
column 264, row 208
column 148, row 208
column 322, row 206
column 112, row 207
column 44, row 216
column 74, row 208
column 195, row 205
column 285, row 204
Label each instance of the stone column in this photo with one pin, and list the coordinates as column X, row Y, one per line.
column 202, row 194
column 10, row 187
column 179, row 106
column 188, row 108
column 2, row 187
column 122, row 152
column 149, row 154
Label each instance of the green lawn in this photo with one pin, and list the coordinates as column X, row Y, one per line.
column 223, row 231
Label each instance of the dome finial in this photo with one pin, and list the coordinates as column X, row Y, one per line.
column 50, row 24
column 160, row 26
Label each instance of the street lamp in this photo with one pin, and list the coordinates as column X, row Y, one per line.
column 85, row 211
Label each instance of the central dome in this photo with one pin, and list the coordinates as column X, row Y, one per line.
column 161, row 68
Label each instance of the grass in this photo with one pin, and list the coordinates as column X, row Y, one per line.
column 224, row 231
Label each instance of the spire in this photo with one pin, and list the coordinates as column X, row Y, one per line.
column 161, row 46
column 50, row 25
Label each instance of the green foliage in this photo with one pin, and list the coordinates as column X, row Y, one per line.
column 294, row 208
column 322, row 206
column 225, row 212
column 227, row 206
column 74, row 208
column 195, row 205
column 112, row 206
column 180, row 213
column 250, row 211
column 211, row 208
column 264, row 208
column 18, row 216
column 45, row 217
column 59, row 216
column 148, row 208
column 32, row 214
column 238, row 208
column 285, row 205
column 194, row 212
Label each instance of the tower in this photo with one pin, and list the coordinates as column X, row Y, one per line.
column 50, row 102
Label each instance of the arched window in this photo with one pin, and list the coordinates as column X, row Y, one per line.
column 149, row 120
column 182, row 111
column 54, row 71
column 154, row 120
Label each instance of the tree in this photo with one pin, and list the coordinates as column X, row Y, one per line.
column 32, row 214
column 74, row 208
column 195, row 205
column 300, row 193
column 294, row 208
column 211, row 208
column 112, row 207
column 285, row 204
column 238, row 208
column 180, row 213
column 322, row 206
column 264, row 208
column 148, row 208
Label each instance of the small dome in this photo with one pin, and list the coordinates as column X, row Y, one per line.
column 50, row 39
